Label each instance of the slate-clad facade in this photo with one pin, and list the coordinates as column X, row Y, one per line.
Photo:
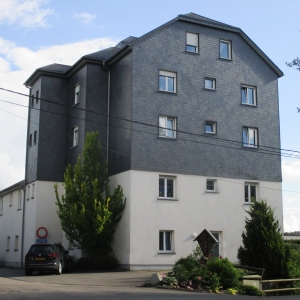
column 217, row 93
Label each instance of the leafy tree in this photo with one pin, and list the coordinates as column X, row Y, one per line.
column 295, row 63
column 263, row 245
column 88, row 211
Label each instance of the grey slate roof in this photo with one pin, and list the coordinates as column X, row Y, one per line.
column 109, row 53
column 57, row 68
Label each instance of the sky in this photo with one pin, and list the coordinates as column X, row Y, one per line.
column 35, row 33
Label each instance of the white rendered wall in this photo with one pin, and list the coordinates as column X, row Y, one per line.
column 11, row 226
column 195, row 209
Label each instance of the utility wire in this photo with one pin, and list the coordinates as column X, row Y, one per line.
column 146, row 124
column 225, row 180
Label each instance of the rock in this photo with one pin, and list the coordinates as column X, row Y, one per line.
column 154, row 279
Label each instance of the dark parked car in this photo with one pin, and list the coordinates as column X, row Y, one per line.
column 47, row 257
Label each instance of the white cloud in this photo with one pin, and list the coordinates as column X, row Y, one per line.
column 85, row 18
column 16, row 65
column 25, row 13
column 291, row 170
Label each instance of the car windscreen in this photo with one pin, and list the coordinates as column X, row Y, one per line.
column 41, row 248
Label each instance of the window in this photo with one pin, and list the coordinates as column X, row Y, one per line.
column 210, row 83
column 167, row 81
column 166, row 187
column 32, row 100
column 32, row 191
column 35, row 137
column 37, row 97
column 165, row 241
column 8, row 243
column 225, row 49
column 248, row 95
column 192, row 42
column 211, row 185
column 210, row 127
column 215, row 250
column 16, row 243
column 20, row 199
column 250, row 137
column 250, row 192
column 167, row 127
column 75, row 136
column 11, row 199
column 30, row 140
column 77, row 93
column 1, row 206
column 28, row 192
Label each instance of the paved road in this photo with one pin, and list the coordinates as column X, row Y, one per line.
column 111, row 285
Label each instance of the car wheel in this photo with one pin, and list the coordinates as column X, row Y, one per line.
column 59, row 270
column 28, row 272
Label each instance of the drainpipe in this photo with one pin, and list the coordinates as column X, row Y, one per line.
column 25, row 182
column 108, row 104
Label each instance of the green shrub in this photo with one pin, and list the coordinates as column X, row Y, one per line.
column 228, row 275
column 249, row 290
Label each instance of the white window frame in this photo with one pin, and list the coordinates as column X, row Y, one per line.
column 229, row 48
column 165, row 191
column 163, row 130
column 211, row 80
column 77, row 94
column 249, row 134
column 8, row 243
column 214, row 127
column 75, row 136
column 248, row 185
column 218, row 236
column 28, row 192
column 20, row 197
column 164, row 249
column 16, row 243
column 167, row 75
column 214, row 190
column 247, row 88
column 1, row 206
column 192, row 40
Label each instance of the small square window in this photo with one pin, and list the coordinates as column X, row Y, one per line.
column 210, row 127
column 77, row 93
column 225, row 49
column 249, row 95
column 165, row 241
column 192, row 42
column 250, row 137
column 32, row 100
column 30, row 140
column 166, row 187
column 167, row 81
column 167, row 127
column 211, row 185
column 250, row 192
column 35, row 137
column 75, row 136
column 210, row 83
column 37, row 97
